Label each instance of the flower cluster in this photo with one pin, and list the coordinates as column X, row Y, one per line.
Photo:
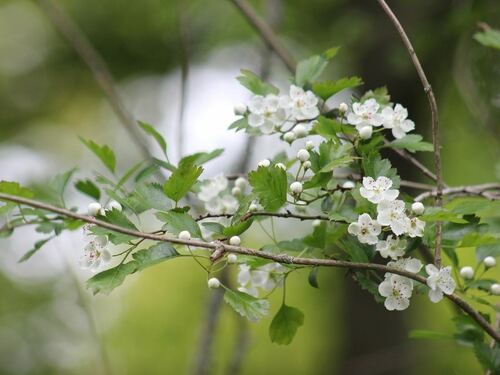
column 95, row 254
column 216, row 197
column 364, row 116
column 271, row 112
column 266, row 277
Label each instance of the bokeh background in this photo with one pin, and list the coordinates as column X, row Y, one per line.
column 50, row 324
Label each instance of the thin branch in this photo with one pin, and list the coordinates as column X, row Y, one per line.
column 489, row 190
column 82, row 46
column 184, row 55
column 435, row 121
column 266, row 33
column 279, row 258
column 287, row 214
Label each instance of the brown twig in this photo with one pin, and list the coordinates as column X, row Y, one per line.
column 434, row 119
column 489, row 190
column 280, row 258
column 248, row 215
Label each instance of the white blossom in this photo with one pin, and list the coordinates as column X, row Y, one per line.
column 280, row 165
column 296, row 187
column 216, row 197
column 343, row 107
column 266, row 113
column 396, row 120
column 241, row 183
column 236, row 191
column 232, row 258
column 412, row 265
column 95, row 254
column 213, row 283
column 489, row 262
column 467, row 272
column 440, row 281
column 266, row 277
column 348, row 184
column 366, row 229
column 289, row 137
column 495, row 289
column 94, row 208
column 378, row 190
column 300, row 131
column 240, row 109
column 365, row 132
column 391, row 247
column 415, row 227
column 307, row 164
column 365, row 114
column 114, row 205
column 309, row 145
column 301, row 105
column 392, row 213
column 264, row 163
column 185, row 235
column 303, row 155
column 235, row 241
column 397, row 291
column 417, row 208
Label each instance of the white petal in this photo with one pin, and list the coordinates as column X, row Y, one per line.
column 435, row 295
column 431, row 269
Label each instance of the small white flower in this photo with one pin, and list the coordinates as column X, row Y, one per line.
column 316, row 223
column 289, row 137
column 240, row 109
column 366, row 229
column 185, row 235
column 253, row 207
column 306, row 164
column 415, row 227
column 265, row 113
column 303, row 155
column 296, row 187
column 213, row 283
column 280, row 165
column 412, row 265
column 114, row 205
column 495, row 289
column 440, row 281
column 365, row 132
column 264, row 163
column 392, row 213
column 301, row 104
column 235, row 241
column 378, row 190
column 343, row 107
column 265, row 277
column 210, row 189
column 417, row 208
column 348, row 185
column 397, row 291
column 391, row 247
column 241, row 183
column 95, row 255
column 236, row 191
column 232, row 258
column 300, row 131
column 365, row 114
column 309, row 145
column 467, row 272
column 94, row 208
column 489, row 262
column 396, row 120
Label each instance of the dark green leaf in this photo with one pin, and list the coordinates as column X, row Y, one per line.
column 380, row 95
column 244, row 304
column 106, row 281
column 270, row 186
column 176, row 222
column 285, row 324
column 153, row 255
column 237, row 228
column 327, row 89
column 182, row 179
column 488, row 357
column 313, row 277
column 104, row 153
column 89, row 188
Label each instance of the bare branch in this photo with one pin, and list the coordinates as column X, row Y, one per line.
column 280, row 258
column 489, row 190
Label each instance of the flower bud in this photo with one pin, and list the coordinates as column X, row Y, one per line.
column 236, row 191
column 232, row 259
column 289, row 137
column 114, row 205
column 343, row 107
column 264, row 163
column 253, row 207
column 235, row 241
column 240, row 109
column 417, row 208
column 296, row 187
column 489, row 262
column 307, row 164
column 366, row 132
column 280, row 165
column 213, row 283
column 467, row 272
column 303, row 155
column 309, row 145
column 300, row 131
column 94, row 208
column 316, row 223
column 185, row 235
column 241, row 183
column 348, row 184
column 495, row 289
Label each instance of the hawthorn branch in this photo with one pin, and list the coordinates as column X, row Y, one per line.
column 288, row 215
column 279, row 258
column 434, row 119
column 489, row 190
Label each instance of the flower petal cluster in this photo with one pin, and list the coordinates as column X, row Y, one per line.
column 392, row 247
column 378, row 190
column 440, row 282
column 365, row 114
column 366, row 229
column 396, row 120
column 216, row 197
column 300, row 104
column 266, row 113
column 265, row 277
column 95, row 254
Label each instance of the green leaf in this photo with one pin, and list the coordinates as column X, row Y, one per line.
column 489, row 37
column 488, row 357
column 412, row 143
column 327, row 89
column 106, row 281
column 213, row 227
column 255, row 84
column 128, row 174
column 151, row 196
column 313, row 277
column 239, row 124
column 428, row 335
column 469, row 206
column 483, row 251
column 285, row 325
column 200, row 158
column 157, row 136
column 246, row 305
column 270, row 186
column 310, row 69
column 176, row 222
column 52, row 191
column 154, row 255
column 441, row 214
column 182, row 179
column 380, row 95
column 104, row 153
column 118, row 218
column 237, row 228
column 375, row 166
column 89, row 188
column 38, row 246
column 12, row 188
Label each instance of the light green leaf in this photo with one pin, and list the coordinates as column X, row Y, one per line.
column 489, row 37
column 151, row 196
column 484, row 251
column 255, row 84
column 380, row 95
column 239, row 124
column 157, row 136
column 89, row 188
column 375, row 166
column 106, row 281
column 12, row 188
column 244, row 304
column 182, row 179
column 327, row 89
column 200, row 158
column 310, row 69
column 104, row 153
column 154, row 255
column 441, row 214
column 176, row 222
column 285, row 325
column 270, row 186
column 237, row 228
column 412, row 143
